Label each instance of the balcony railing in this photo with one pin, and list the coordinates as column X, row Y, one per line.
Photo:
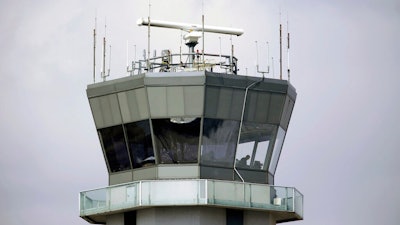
column 287, row 202
column 185, row 62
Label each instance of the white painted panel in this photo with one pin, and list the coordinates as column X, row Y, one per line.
column 142, row 104
column 133, row 105
column 158, row 101
column 194, row 100
column 175, row 103
column 106, row 111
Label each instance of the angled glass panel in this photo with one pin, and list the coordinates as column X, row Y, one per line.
column 254, row 145
column 139, row 142
column 177, row 139
column 277, row 150
column 114, row 146
column 219, row 142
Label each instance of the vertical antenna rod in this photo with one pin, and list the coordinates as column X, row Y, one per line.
column 220, row 53
column 94, row 50
column 127, row 56
column 148, row 41
column 180, row 50
column 231, row 58
column 103, row 71
column 257, row 65
column 280, row 50
column 202, row 30
column 267, row 57
column 288, row 48
column 109, row 63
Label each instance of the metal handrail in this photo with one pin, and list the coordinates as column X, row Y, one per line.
column 228, row 64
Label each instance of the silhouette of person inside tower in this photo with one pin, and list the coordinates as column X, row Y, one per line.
column 243, row 161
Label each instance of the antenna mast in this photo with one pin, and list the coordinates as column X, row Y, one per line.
column 231, row 57
column 202, row 29
column 180, row 50
column 94, row 49
column 103, row 69
column 288, row 48
column 148, row 40
column 127, row 56
column 109, row 63
column 280, row 50
column 220, row 53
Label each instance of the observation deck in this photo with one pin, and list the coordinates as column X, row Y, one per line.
column 284, row 203
column 191, row 125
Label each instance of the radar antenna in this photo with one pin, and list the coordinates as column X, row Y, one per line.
column 195, row 31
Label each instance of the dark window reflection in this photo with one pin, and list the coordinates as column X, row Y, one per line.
column 140, row 145
column 219, row 142
column 115, row 148
column 177, row 139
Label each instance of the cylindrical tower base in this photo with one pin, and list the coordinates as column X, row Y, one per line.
column 191, row 216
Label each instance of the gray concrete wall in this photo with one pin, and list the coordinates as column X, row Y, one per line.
column 258, row 218
column 115, row 219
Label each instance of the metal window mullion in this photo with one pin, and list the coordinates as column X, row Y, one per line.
column 151, row 129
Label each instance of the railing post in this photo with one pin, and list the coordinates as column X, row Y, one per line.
column 140, row 193
column 206, row 191
column 108, row 202
column 294, row 205
column 81, row 202
column 287, row 199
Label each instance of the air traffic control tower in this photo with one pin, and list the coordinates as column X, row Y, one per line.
column 185, row 145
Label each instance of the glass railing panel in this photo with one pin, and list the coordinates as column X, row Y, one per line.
column 124, row 196
column 298, row 203
column 229, row 193
column 260, row 196
column 280, row 198
column 182, row 192
column 93, row 200
column 250, row 195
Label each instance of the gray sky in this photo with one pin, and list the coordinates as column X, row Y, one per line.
column 341, row 150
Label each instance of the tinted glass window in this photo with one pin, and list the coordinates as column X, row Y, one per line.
column 219, row 142
column 277, row 150
column 114, row 146
column 140, row 145
column 177, row 139
column 255, row 143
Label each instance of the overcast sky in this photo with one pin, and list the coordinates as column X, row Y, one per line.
column 342, row 147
